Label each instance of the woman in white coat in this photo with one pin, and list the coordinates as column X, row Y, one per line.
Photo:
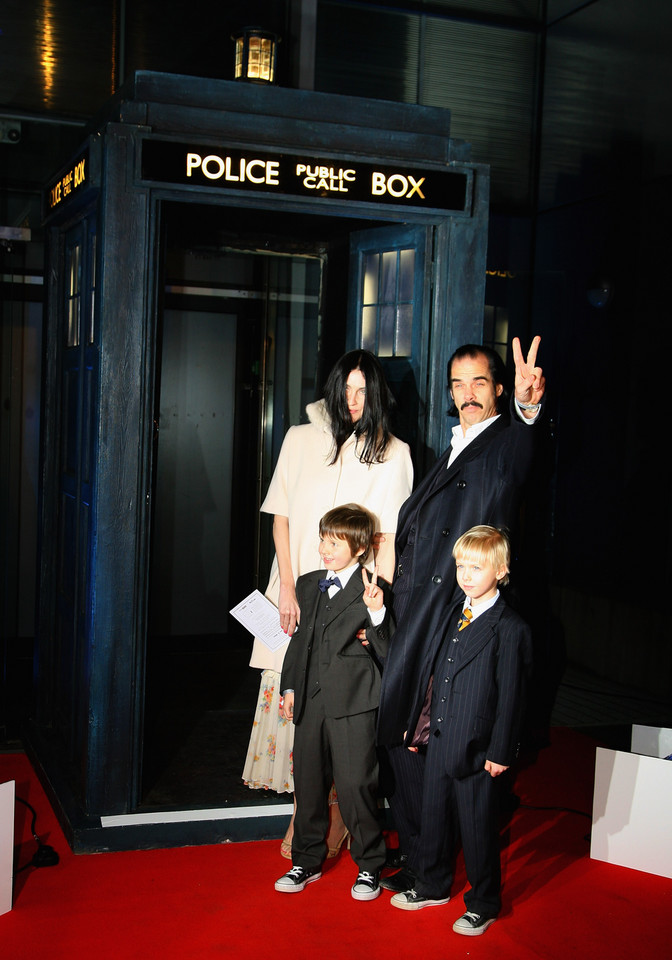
column 344, row 454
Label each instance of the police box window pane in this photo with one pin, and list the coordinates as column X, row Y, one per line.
column 92, row 292
column 388, row 282
column 73, row 323
column 386, row 330
column 406, row 274
column 371, row 273
column 404, row 338
column 369, row 322
column 73, row 295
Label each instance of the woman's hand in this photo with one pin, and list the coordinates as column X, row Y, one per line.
column 290, row 612
column 287, row 604
column 384, row 556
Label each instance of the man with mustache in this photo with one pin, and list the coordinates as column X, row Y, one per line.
column 478, row 480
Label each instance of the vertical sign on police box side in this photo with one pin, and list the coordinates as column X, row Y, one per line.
column 71, row 181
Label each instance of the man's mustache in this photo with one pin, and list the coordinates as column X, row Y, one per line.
column 471, row 403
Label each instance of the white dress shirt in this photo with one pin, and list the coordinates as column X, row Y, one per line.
column 462, row 439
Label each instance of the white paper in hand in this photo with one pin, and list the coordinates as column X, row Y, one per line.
column 258, row 615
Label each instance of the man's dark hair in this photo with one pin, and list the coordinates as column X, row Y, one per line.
column 497, row 371
column 373, row 429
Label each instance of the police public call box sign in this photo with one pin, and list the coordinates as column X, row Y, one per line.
column 73, row 180
column 302, row 175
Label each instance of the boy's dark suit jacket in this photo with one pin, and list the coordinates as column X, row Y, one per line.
column 350, row 677
column 484, row 689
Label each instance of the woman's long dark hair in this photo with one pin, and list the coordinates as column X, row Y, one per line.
column 373, row 429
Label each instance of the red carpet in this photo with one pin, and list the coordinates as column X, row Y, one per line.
column 198, row 903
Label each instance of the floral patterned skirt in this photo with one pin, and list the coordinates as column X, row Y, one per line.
column 269, row 764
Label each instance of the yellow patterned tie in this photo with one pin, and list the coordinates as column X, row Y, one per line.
column 464, row 619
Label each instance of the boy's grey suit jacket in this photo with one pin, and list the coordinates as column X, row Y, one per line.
column 349, row 674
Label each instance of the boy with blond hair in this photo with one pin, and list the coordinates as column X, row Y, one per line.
column 469, row 712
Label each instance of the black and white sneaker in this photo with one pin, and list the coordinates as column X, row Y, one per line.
column 412, row 900
column 366, row 886
column 295, row 880
column 472, row 924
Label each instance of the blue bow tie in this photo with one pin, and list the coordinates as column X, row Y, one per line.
column 328, row 582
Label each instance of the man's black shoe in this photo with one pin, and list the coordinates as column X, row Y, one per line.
column 395, row 858
column 398, row 882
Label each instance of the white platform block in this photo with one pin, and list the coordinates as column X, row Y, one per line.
column 632, row 803
column 7, row 792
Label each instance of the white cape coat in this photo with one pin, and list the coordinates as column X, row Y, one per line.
column 305, row 485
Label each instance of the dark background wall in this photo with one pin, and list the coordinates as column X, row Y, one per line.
column 570, row 105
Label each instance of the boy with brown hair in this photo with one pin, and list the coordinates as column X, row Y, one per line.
column 331, row 688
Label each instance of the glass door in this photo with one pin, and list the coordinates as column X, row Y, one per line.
column 240, row 340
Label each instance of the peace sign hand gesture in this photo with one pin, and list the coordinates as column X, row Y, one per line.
column 530, row 382
column 373, row 594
